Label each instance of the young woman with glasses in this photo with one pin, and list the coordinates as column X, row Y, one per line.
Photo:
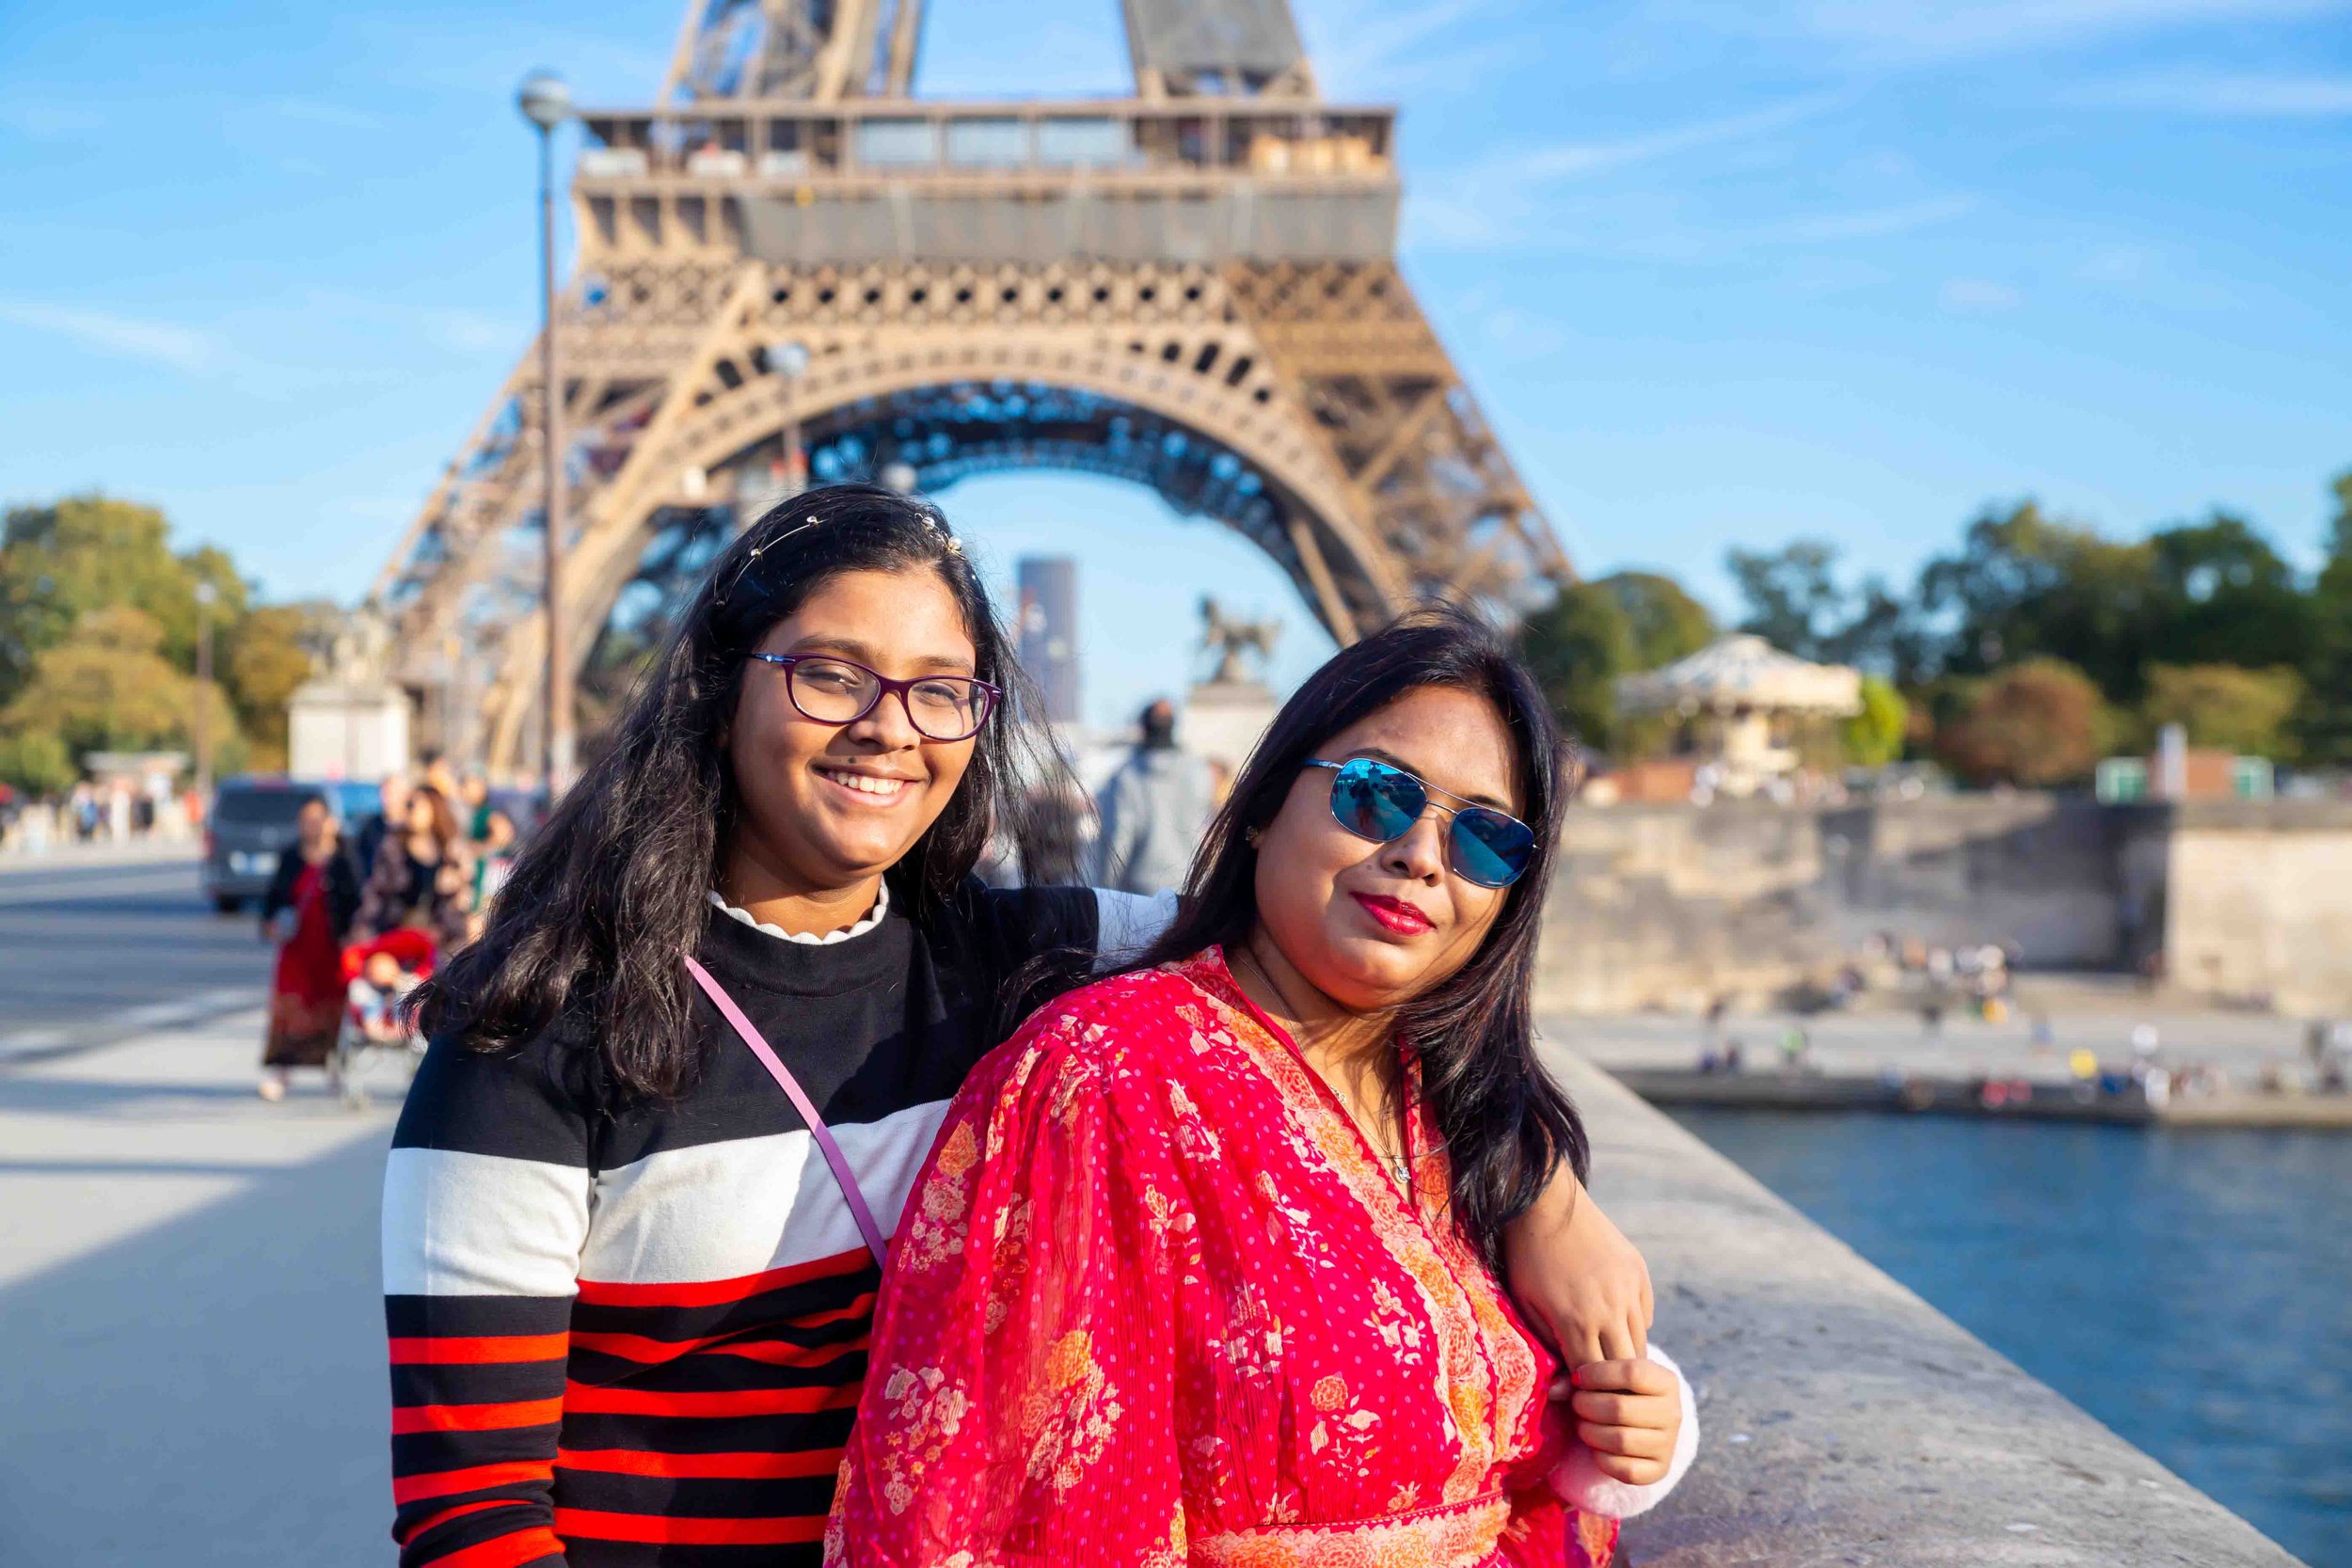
column 1206, row 1266
column 677, row 1092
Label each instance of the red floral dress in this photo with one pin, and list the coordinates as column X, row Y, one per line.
column 1156, row 1301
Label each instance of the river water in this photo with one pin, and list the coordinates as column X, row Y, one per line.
column 2192, row 1290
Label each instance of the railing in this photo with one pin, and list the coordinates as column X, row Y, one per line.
column 790, row 142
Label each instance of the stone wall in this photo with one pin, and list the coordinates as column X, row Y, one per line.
column 1669, row 906
column 2259, row 903
column 1843, row 1419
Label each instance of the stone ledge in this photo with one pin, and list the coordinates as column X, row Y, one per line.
column 1844, row 1420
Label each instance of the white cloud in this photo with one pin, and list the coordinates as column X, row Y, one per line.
column 1872, row 223
column 1978, row 296
column 48, row 121
column 2117, row 267
column 1956, row 29
column 1575, row 160
column 1373, row 51
column 130, row 337
column 2253, row 97
column 1914, row 32
column 1499, row 202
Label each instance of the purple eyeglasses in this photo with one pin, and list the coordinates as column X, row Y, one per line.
column 842, row 692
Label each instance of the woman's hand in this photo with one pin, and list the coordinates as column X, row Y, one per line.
column 1576, row 1278
column 1629, row 1414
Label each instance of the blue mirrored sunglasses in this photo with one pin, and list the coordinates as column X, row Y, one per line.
column 1376, row 801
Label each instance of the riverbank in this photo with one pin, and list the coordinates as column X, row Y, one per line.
column 2016, row 1100
column 2224, row 1067
column 1844, row 1420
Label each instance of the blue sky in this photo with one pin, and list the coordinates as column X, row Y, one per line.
column 1722, row 272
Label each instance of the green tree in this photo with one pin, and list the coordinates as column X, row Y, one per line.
column 2224, row 596
column 60, row 561
column 109, row 688
column 2324, row 723
column 1794, row 602
column 1874, row 736
column 36, row 762
column 1666, row 622
column 2221, row 705
column 2038, row 722
column 2022, row 586
column 264, row 656
column 1577, row 646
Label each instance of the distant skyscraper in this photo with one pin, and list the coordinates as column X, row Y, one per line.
column 1049, row 632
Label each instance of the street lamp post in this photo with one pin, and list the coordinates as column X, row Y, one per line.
column 205, row 595
column 547, row 103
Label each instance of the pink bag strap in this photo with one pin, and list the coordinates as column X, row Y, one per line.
column 800, row 1102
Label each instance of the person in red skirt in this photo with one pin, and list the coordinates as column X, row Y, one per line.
column 311, row 901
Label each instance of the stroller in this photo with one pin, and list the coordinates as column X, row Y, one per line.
column 368, row 1027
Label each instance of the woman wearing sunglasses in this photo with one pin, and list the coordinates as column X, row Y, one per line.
column 631, row 1254
column 1205, row 1266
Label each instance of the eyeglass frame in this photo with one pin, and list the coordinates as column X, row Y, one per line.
column 1428, row 790
column 991, row 693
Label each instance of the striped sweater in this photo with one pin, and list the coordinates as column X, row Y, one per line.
column 634, row 1334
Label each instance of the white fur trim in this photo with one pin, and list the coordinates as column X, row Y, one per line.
column 1576, row 1480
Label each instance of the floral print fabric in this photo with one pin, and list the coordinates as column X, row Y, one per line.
column 1154, row 1301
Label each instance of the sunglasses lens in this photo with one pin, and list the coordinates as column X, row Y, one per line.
column 1375, row 802
column 1490, row 849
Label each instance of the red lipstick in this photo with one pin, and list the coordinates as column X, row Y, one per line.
column 1394, row 914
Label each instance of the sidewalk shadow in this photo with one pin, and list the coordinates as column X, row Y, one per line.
column 211, row 1391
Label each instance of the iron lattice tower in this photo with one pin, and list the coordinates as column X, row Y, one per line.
column 1194, row 288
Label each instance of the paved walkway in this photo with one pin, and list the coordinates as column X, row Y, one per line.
column 193, row 1371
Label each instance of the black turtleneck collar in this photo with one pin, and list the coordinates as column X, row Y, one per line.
column 741, row 956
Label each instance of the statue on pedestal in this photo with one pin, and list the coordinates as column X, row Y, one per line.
column 1225, row 714
column 1227, row 639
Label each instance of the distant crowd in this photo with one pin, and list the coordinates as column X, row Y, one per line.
column 359, row 916
column 114, row 811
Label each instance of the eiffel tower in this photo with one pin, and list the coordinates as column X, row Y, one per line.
column 791, row 269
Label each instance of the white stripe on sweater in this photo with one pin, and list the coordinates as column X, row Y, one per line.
column 480, row 1225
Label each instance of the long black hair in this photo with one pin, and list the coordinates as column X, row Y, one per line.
column 1506, row 1126
column 614, row 885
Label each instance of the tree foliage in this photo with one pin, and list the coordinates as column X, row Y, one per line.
column 2221, row 705
column 1797, row 603
column 2037, row 722
column 98, row 625
column 1577, row 646
column 1665, row 621
column 36, row 762
column 107, row 688
column 2323, row 724
column 1874, row 736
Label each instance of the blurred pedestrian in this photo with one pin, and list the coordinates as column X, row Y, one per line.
column 393, row 809
column 489, row 834
column 439, row 775
column 308, row 905
column 420, row 878
column 1153, row 810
